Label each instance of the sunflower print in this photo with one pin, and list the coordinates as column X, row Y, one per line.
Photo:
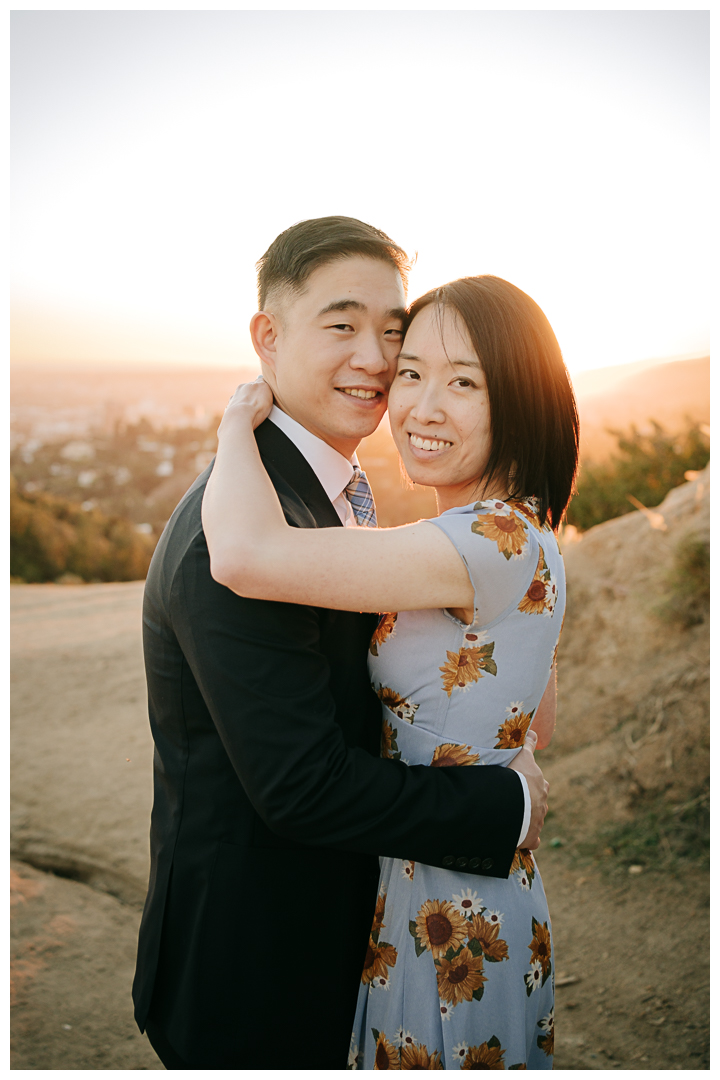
column 388, row 741
column 387, row 1056
column 507, row 530
column 460, row 977
column 542, row 592
column 529, row 509
column 380, row 955
column 417, row 1057
column 488, row 1055
column 378, row 959
column 511, row 734
column 453, row 754
column 379, row 915
column 385, row 629
column 486, row 934
column 541, row 948
column 396, row 703
column 546, row 1042
column 524, row 864
column 439, row 926
column 466, row 666
column 408, row 869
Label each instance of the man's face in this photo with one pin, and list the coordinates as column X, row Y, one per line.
column 336, row 349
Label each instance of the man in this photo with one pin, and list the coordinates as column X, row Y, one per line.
column 271, row 802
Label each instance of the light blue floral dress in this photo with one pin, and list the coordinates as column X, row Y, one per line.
column 459, row 968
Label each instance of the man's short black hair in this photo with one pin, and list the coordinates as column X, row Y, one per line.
column 295, row 253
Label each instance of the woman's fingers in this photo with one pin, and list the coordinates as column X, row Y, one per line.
column 253, row 400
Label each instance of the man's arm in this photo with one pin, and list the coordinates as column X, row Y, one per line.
column 265, row 681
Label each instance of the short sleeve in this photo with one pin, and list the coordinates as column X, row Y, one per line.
column 500, row 550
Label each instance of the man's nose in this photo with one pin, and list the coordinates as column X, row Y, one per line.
column 369, row 356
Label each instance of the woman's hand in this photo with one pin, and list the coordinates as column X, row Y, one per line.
column 251, row 403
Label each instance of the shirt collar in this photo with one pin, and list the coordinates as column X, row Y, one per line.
column 332, row 469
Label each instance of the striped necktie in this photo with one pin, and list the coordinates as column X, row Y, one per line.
column 360, row 497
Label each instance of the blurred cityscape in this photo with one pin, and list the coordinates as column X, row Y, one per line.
column 100, row 458
column 128, row 444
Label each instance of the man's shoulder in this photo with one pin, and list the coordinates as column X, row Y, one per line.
column 303, row 498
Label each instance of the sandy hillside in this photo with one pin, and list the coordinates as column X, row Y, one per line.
column 630, row 944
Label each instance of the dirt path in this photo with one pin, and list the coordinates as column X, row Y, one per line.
column 631, row 951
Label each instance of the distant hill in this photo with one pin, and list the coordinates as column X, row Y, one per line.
column 668, row 393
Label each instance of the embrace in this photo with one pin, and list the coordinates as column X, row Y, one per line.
column 332, row 886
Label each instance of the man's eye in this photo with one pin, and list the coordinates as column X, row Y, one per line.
column 341, row 326
column 395, row 333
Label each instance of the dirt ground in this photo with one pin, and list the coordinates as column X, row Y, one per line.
column 631, row 941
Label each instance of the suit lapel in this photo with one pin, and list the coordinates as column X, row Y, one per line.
column 283, row 460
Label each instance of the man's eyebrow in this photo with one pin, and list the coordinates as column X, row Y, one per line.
column 343, row 305
column 356, row 305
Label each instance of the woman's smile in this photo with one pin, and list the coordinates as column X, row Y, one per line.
column 428, row 444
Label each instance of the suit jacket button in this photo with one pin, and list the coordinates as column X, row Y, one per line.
column 474, row 863
column 449, row 860
column 461, row 862
column 486, row 864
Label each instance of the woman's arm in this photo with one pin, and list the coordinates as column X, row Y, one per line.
column 254, row 552
column 544, row 719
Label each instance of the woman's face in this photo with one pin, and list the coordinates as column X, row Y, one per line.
column 439, row 410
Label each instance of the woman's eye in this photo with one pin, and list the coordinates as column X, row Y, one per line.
column 463, row 382
column 408, row 373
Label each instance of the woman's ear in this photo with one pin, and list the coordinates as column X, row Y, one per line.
column 263, row 333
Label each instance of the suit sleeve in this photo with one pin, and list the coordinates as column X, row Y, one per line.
column 266, row 684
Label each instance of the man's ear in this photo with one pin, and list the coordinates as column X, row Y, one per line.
column 264, row 333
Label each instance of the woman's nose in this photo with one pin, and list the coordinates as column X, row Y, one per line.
column 427, row 410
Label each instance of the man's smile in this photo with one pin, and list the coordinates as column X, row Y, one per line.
column 363, row 393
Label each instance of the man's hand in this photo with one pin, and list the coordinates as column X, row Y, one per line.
column 538, row 787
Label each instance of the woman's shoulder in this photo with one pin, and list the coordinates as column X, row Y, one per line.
column 511, row 526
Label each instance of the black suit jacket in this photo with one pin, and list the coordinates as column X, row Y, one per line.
column 272, row 805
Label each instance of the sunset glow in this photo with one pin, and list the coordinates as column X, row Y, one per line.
column 157, row 154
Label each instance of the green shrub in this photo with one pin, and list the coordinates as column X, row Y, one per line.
column 50, row 537
column 660, row 837
column 645, row 465
column 687, row 600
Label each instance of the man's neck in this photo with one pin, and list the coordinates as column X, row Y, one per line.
column 346, row 448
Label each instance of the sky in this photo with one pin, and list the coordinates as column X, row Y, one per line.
column 155, row 156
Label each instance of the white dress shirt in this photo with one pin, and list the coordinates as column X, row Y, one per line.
column 334, row 473
column 332, row 469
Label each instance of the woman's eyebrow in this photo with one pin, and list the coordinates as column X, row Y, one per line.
column 466, row 363
column 455, row 363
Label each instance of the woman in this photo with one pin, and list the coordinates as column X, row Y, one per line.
column 459, row 969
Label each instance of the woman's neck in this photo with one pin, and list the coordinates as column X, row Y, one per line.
column 451, row 496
